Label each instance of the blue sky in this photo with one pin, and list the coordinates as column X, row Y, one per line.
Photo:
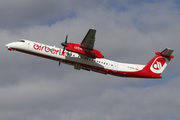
column 34, row 88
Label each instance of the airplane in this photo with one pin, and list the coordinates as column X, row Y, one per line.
column 84, row 56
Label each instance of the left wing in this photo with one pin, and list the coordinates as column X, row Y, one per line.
column 89, row 39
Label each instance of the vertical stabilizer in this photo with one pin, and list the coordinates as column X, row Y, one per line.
column 159, row 62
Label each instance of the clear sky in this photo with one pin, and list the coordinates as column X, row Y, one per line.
column 33, row 88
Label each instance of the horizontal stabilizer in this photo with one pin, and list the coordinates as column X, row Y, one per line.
column 167, row 52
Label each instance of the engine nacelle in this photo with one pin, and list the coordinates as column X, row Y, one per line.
column 78, row 49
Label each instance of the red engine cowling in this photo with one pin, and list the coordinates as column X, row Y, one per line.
column 77, row 48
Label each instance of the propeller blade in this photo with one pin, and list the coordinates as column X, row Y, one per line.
column 66, row 39
column 64, row 44
column 59, row 63
column 63, row 50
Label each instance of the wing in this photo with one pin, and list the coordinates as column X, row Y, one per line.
column 89, row 39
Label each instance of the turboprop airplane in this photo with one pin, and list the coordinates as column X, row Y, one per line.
column 84, row 56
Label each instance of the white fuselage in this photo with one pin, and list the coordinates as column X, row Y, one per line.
column 79, row 61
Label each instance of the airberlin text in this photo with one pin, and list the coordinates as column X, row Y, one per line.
column 49, row 50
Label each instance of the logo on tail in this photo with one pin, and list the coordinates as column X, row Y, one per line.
column 159, row 64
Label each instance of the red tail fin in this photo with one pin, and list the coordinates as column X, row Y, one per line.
column 159, row 62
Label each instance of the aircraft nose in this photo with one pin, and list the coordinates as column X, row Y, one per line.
column 9, row 46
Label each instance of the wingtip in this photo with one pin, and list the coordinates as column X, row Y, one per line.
column 92, row 28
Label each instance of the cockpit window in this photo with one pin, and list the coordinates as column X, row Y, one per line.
column 21, row 41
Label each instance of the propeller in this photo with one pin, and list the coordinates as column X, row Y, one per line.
column 64, row 44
